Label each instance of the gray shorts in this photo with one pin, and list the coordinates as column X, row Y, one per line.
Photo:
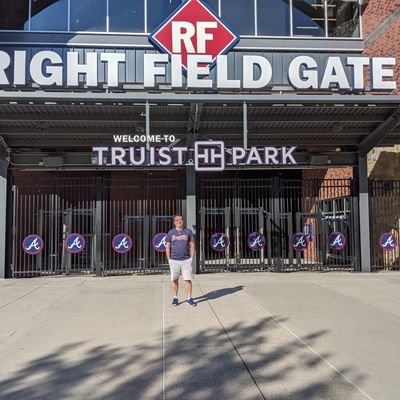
column 185, row 266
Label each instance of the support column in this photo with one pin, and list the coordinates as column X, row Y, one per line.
column 191, row 209
column 245, row 126
column 365, row 245
column 98, row 267
column 3, row 215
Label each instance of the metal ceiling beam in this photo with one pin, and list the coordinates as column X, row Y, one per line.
column 379, row 134
column 50, row 117
column 245, row 126
column 195, row 117
column 141, row 97
column 68, row 143
column 93, row 131
column 294, row 118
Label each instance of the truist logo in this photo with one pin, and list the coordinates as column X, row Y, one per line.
column 194, row 34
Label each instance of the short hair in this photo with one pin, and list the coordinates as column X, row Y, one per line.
column 176, row 215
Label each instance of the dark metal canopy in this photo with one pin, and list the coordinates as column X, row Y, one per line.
column 78, row 120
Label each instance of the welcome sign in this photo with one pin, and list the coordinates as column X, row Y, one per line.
column 207, row 156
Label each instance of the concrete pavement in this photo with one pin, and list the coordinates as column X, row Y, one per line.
column 300, row 336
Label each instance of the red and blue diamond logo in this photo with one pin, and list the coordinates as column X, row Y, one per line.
column 193, row 29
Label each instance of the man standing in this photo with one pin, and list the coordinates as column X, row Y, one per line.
column 180, row 250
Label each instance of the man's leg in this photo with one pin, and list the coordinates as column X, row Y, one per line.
column 188, row 289
column 187, row 273
column 175, row 287
column 174, row 268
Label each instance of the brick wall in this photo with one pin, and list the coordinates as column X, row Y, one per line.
column 376, row 12
column 381, row 31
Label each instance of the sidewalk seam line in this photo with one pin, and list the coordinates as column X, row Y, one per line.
column 24, row 295
column 40, row 313
column 233, row 344
column 305, row 344
column 354, row 298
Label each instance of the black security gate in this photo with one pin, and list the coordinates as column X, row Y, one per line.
column 140, row 207
column 53, row 206
column 277, row 208
column 53, row 209
column 385, row 218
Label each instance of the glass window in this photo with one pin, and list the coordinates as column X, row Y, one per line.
column 343, row 18
column 49, row 15
column 158, row 10
column 126, row 15
column 273, row 18
column 213, row 4
column 88, row 15
column 308, row 18
column 14, row 14
column 240, row 15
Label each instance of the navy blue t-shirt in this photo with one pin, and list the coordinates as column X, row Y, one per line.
column 180, row 243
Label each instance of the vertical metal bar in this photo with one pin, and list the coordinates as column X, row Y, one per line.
column 15, row 230
column 190, row 200
column 29, row 15
column 3, row 216
column 145, row 16
column 255, row 19
column 147, row 125
column 97, row 234
column 245, row 128
column 108, row 16
column 69, row 16
column 365, row 246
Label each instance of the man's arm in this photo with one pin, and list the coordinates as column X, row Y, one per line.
column 192, row 249
column 168, row 250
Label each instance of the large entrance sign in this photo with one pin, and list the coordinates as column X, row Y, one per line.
column 207, row 156
column 196, row 40
column 47, row 68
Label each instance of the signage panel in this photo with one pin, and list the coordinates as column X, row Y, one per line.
column 206, row 156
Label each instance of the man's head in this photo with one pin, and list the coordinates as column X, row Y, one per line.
column 178, row 221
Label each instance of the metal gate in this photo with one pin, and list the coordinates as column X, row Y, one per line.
column 53, row 206
column 385, row 218
column 277, row 208
column 140, row 207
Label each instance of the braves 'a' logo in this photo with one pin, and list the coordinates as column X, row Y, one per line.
column 122, row 243
column 388, row 241
column 75, row 243
column 32, row 244
column 160, row 242
column 219, row 242
column 300, row 241
column 337, row 241
column 256, row 241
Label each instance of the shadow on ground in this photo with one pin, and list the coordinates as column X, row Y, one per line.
column 203, row 366
column 215, row 294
